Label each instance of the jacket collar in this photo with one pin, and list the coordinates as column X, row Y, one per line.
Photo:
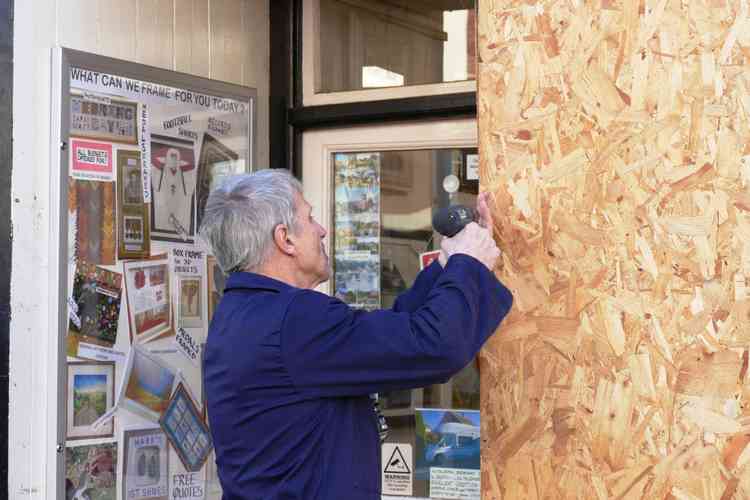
column 253, row 281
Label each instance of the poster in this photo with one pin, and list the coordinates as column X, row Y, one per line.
column 447, row 452
column 91, row 161
column 145, row 470
column 357, row 230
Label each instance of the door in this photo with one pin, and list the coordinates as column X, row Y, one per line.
column 374, row 188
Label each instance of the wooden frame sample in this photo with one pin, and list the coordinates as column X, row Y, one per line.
column 91, row 394
column 104, row 119
column 133, row 223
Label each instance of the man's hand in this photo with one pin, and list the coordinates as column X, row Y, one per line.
column 475, row 241
column 485, row 214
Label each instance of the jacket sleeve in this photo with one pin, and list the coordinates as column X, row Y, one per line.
column 330, row 349
column 414, row 297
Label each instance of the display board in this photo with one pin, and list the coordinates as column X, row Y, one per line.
column 143, row 148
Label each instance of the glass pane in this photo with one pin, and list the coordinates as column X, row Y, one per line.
column 392, row 43
column 383, row 222
column 143, row 157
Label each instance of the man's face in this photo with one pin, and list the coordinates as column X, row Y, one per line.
column 308, row 239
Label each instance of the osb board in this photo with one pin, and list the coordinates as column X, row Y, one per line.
column 615, row 137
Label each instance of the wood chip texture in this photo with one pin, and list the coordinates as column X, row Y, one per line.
column 615, row 137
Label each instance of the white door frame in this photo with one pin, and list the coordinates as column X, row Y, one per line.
column 318, row 146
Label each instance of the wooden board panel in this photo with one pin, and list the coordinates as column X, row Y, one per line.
column 191, row 37
column 78, row 24
column 228, row 52
column 116, row 29
column 614, row 135
column 155, row 36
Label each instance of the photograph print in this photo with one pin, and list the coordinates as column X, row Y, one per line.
column 173, row 178
column 90, row 472
column 91, row 393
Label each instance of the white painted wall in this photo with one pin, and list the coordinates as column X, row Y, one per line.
column 220, row 39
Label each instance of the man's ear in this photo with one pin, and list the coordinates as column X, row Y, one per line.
column 281, row 239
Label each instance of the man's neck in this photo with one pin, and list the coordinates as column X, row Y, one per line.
column 279, row 270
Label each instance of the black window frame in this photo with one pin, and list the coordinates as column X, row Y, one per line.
column 289, row 117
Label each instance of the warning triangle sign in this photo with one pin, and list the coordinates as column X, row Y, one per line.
column 396, row 464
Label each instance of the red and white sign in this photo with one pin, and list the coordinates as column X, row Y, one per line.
column 427, row 258
column 92, row 161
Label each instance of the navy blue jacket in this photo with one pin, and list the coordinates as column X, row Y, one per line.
column 288, row 373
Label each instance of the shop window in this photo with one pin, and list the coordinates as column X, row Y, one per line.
column 355, row 45
column 382, row 235
column 142, row 149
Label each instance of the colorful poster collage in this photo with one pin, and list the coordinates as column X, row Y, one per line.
column 357, row 229
column 142, row 159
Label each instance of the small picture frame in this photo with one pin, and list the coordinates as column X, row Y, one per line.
column 186, row 430
column 145, row 467
column 148, row 297
column 190, row 307
column 134, row 235
column 91, row 394
column 104, row 119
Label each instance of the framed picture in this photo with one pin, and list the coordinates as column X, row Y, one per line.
column 147, row 289
column 216, row 161
column 172, row 189
column 94, row 307
column 134, row 235
column 93, row 230
column 91, row 471
column 147, row 384
column 190, row 290
column 186, row 430
column 91, row 393
column 103, row 118
column 145, row 468
column 216, row 281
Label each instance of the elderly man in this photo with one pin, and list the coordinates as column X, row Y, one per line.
column 288, row 370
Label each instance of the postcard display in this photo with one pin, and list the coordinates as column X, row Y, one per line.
column 142, row 159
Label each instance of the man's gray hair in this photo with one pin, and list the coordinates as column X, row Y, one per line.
column 242, row 213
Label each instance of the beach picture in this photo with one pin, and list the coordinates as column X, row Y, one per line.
column 148, row 384
column 92, row 389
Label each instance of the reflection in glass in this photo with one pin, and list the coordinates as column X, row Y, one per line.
column 383, row 222
column 392, row 43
